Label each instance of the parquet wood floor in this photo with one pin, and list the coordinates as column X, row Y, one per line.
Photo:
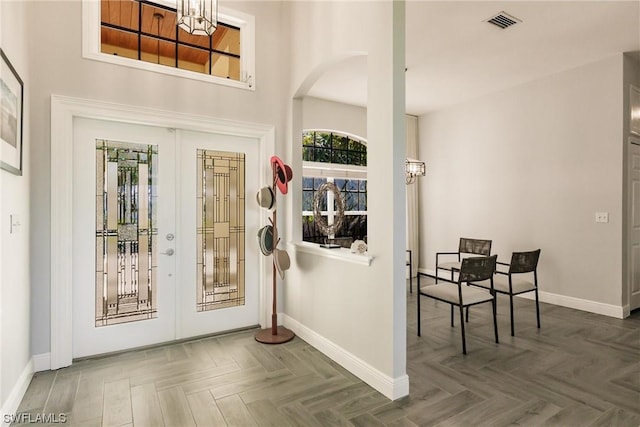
column 580, row 369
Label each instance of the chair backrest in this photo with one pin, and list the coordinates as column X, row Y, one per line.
column 524, row 262
column 474, row 246
column 477, row 269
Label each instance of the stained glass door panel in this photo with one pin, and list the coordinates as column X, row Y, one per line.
column 220, row 207
column 126, row 232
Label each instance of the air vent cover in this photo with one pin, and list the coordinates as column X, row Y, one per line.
column 503, row 20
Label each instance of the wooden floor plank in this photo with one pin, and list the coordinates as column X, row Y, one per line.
column 484, row 414
column 329, row 417
column 89, row 398
column 366, row 420
column 260, row 381
column 532, row 413
column 289, row 360
column 616, row 417
column 146, row 406
column 282, row 390
column 265, row 358
column 116, row 409
column 175, row 408
column 63, row 393
column 38, row 391
column 578, row 415
column 235, row 412
column 205, row 410
column 446, row 408
column 332, row 399
column 268, row 415
column 299, row 416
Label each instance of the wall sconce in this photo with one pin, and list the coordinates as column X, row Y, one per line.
column 414, row 168
column 199, row 17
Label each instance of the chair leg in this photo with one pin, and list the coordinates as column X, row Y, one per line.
column 467, row 314
column 410, row 274
column 452, row 315
column 464, row 343
column 537, row 309
column 495, row 320
column 511, row 309
column 418, row 298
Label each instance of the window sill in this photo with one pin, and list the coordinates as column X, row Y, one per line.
column 342, row 254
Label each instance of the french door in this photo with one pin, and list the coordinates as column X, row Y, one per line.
column 160, row 230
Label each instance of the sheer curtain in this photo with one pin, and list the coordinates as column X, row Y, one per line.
column 412, row 194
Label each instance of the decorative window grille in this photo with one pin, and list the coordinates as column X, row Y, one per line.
column 126, row 232
column 220, row 230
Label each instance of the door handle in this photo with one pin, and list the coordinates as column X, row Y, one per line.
column 169, row 252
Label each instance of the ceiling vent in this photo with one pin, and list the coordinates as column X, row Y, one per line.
column 503, row 20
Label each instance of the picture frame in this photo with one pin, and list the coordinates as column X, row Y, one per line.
column 11, row 117
column 634, row 110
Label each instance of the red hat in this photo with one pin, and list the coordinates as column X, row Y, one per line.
column 283, row 173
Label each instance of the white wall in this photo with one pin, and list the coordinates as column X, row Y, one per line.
column 358, row 310
column 60, row 69
column 528, row 168
column 14, row 248
column 323, row 114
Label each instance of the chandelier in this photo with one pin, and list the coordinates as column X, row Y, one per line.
column 199, row 17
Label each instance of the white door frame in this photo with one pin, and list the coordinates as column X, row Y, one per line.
column 633, row 140
column 63, row 111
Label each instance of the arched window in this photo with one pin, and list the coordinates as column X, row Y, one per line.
column 329, row 156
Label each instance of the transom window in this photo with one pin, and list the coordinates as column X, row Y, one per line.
column 340, row 159
column 148, row 32
column 143, row 34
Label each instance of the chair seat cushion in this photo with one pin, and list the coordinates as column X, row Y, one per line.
column 501, row 284
column 454, row 265
column 449, row 292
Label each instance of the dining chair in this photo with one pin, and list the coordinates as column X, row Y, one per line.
column 472, row 269
column 521, row 277
column 466, row 247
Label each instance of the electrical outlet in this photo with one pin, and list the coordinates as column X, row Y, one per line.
column 602, row 217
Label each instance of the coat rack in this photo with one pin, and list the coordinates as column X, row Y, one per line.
column 281, row 175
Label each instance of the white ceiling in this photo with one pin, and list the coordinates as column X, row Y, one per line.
column 453, row 55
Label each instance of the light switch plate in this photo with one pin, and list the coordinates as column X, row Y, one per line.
column 602, row 217
column 15, row 224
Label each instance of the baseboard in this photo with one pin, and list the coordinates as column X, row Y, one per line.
column 619, row 312
column 41, row 362
column 392, row 388
column 610, row 310
column 626, row 311
column 10, row 406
